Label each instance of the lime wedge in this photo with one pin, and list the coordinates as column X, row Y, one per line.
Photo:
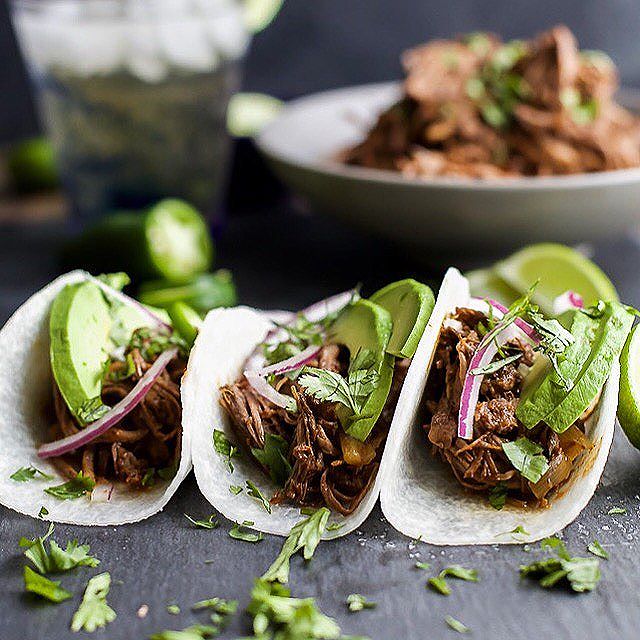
column 558, row 268
column 484, row 283
column 629, row 400
column 249, row 113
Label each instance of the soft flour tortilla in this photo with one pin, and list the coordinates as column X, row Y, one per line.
column 226, row 339
column 25, row 395
column 421, row 498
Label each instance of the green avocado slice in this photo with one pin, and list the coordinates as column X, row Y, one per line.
column 79, row 327
column 561, row 408
column 410, row 304
column 362, row 326
column 543, row 389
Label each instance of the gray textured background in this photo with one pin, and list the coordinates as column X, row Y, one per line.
column 161, row 560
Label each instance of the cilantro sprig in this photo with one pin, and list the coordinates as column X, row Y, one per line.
column 24, row 474
column 73, row 489
column 225, row 448
column 94, row 612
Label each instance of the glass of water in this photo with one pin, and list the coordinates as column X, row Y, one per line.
column 133, row 94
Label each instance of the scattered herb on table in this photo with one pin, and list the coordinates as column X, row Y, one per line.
column 425, row 566
column 43, row 587
column 94, row 611
column 73, row 489
column 194, row 632
column 221, row 609
column 596, row 548
column 173, row 609
column 24, row 474
column 582, row 574
column 224, row 447
column 456, row 625
column 240, row 532
column 305, row 535
column 357, row 602
column 210, row 523
column 56, row 559
column 254, row 492
column 439, row 583
column 614, row 511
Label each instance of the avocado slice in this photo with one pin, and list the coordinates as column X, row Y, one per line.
column 79, row 327
column 410, row 304
column 602, row 341
column 543, row 389
column 365, row 325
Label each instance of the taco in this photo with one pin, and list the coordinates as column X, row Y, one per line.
column 295, row 415
column 515, row 423
column 91, row 421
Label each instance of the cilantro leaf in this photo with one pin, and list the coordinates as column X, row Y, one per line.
column 94, row 611
column 173, row 609
column 305, row 535
column 210, row 523
column 221, row 609
column 357, row 602
column 440, row 585
column 459, row 572
column 194, row 632
column 57, row 560
column 239, row 532
column 327, row 386
column 24, row 474
column 227, row 450
column 235, row 489
column 526, row 456
column 596, row 548
column 425, row 566
column 278, row 615
column 43, row 512
column 73, row 489
column 45, row 588
column 498, row 496
column 582, row 574
column 254, row 492
column 273, row 456
column 492, row 367
column 614, row 511
column 456, row 625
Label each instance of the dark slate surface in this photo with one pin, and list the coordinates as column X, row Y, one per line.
column 282, row 261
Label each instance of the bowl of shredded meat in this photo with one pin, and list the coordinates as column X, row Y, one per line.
column 486, row 142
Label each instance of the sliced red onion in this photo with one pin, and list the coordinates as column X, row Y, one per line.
column 483, row 355
column 567, row 301
column 155, row 320
column 262, row 387
column 519, row 322
column 114, row 415
column 292, row 363
column 322, row 309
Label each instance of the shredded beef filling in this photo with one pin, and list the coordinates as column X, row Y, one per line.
column 329, row 468
column 480, row 464
column 147, row 439
column 562, row 118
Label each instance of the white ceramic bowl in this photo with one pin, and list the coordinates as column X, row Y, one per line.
column 441, row 214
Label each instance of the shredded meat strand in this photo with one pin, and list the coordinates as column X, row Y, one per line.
column 147, row 438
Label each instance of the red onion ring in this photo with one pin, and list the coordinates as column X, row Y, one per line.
column 292, row 363
column 114, row 415
column 566, row 302
column 262, row 387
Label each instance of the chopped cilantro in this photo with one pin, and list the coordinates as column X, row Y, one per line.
column 73, row 489
column 148, row 480
column 614, row 511
column 239, row 532
column 194, row 632
column 45, row 588
column 92, row 409
column 492, row 367
column 456, row 625
column 334, row 526
column 526, row 456
column 425, row 566
column 152, row 342
column 273, row 456
column 227, row 450
column 498, row 496
column 352, row 391
column 210, row 523
column 94, row 611
column 173, row 609
column 43, row 512
column 24, row 474
column 254, row 492
column 440, row 585
column 220, row 608
column 235, row 489
column 357, row 602
column 582, row 574
column 305, row 535
column 596, row 548
column 277, row 615
column 56, row 559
